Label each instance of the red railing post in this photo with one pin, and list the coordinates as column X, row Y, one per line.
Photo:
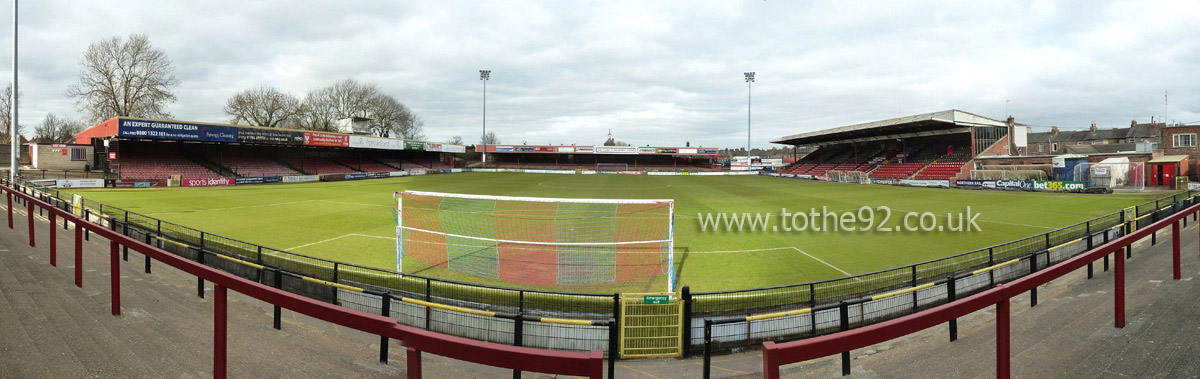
column 1175, row 250
column 770, row 366
column 597, row 363
column 219, row 330
column 116, row 278
column 1119, row 291
column 29, row 211
column 79, row 257
column 414, row 363
column 54, row 239
column 10, row 210
column 1002, row 339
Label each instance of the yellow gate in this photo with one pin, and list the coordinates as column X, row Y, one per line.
column 651, row 325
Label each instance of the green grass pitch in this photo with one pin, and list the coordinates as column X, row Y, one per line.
column 353, row 221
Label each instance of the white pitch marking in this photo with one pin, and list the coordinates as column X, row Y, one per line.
column 239, row 207
column 776, row 248
column 339, row 237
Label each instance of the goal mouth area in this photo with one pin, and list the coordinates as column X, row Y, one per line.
column 536, row 240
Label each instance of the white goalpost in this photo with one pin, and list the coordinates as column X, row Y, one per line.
column 538, row 241
column 611, row 168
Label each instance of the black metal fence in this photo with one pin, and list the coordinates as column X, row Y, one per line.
column 823, row 297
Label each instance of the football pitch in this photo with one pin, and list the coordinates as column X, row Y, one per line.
column 353, row 221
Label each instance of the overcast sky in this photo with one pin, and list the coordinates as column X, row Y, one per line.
column 658, row 73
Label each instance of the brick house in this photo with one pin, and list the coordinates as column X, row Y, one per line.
column 1055, row 142
column 1181, row 140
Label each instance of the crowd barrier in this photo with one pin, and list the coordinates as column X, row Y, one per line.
column 823, row 298
column 589, row 364
column 778, row 354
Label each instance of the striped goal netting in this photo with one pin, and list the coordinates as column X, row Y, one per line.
column 537, row 241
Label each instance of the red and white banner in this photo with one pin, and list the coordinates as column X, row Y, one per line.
column 207, row 182
column 326, row 139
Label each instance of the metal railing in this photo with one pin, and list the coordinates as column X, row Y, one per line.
column 822, row 297
column 588, row 364
column 778, row 354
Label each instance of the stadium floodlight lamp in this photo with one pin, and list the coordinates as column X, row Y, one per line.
column 749, row 77
column 484, row 75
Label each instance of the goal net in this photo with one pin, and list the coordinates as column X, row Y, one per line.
column 1116, row 175
column 847, row 176
column 537, row 241
column 611, row 168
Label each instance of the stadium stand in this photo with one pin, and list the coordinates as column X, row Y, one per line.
column 251, row 165
column 316, row 166
column 363, row 164
column 161, row 166
column 896, row 170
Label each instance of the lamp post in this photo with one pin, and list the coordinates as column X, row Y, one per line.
column 16, row 140
column 484, row 75
column 749, row 84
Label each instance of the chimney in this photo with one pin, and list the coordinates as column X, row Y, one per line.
column 1132, row 123
column 1011, row 123
column 1053, row 130
column 1151, row 120
column 1093, row 129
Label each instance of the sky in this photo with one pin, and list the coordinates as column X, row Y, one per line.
column 659, row 73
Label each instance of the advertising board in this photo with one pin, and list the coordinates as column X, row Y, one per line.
column 1058, row 186
column 270, row 136
column 208, row 182
column 326, row 139
column 376, row 143
column 615, row 149
column 300, row 178
column 418, row 145
column 972, row 183
column 175, row 131
column 256, row 180
column 454, row 148
column 80, row 183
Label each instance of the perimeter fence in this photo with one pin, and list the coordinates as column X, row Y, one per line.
column 517, row 316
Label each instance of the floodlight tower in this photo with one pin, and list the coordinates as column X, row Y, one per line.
column 484, row 75
column 16, row 139
column 749, row 84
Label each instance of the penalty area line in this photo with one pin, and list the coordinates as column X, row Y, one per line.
column 338, row 237
column 778, row 248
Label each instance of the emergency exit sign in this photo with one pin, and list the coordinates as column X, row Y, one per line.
column 656, row 299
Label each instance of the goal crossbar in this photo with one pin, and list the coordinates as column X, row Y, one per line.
column 498, row 240
column 539, row 199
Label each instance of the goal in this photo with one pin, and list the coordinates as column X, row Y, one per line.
column 847, row 176
column 537, row 241
column 611, row 168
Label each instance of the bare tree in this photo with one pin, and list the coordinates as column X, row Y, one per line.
column 6, row 113
column 394, row 119
column 314, row 114
column 124, row 78
column 322, row 108
column 262, row 106
column 54, row 129
column 456, row 140
column 489, row 139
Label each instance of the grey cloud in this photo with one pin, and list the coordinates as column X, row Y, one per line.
column 654, row 73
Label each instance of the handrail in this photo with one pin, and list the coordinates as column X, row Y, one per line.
column 517, row 358
column 777, row 354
